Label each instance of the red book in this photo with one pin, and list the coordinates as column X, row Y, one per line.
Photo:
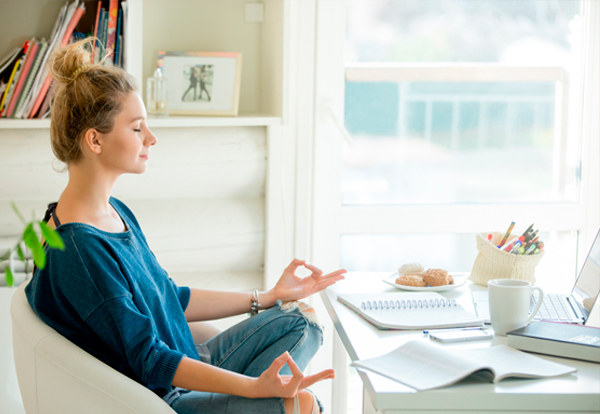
column 33, row 47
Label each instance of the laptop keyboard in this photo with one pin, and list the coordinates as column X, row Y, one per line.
column 554, row 308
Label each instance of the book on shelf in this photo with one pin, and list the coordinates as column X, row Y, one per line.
column 13, row 80
column 73, row 14
column 8, row 77
column 7, row 61
column 26, row 93
column 559, row 339
column 94, row 57
column 424, row 365
column 28, row 59
column 415, row 310
column 111, row 31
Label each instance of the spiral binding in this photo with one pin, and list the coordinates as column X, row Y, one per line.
column 407, row 304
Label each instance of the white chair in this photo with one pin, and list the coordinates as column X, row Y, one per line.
column 56, row 376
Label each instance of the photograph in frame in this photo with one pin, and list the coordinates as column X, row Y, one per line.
column 202, row 83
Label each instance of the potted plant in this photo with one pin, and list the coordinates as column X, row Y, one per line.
column 34, row 233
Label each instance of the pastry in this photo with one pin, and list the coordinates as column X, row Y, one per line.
column 411, row 269
column 411, row 280
column 436, row 277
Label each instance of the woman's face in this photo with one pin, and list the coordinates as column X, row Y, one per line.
column 126, row 149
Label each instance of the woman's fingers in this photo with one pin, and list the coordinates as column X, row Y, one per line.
column 316, row 272
column 320, row 376
column 298, row 376
column 295, row 264
column 279, row 362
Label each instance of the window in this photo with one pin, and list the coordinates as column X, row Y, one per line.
column 463, row 116
column 457, row 105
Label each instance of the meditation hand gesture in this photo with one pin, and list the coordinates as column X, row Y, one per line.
column 271, row 384
column 291, row 287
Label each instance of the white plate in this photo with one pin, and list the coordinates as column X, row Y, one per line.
column 459, row 280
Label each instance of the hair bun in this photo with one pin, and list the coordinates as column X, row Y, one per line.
column 67, row 62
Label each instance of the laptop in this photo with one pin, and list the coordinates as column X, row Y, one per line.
column 573, row 308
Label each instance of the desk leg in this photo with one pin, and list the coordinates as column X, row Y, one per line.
column 340, row 383
column 368, row 407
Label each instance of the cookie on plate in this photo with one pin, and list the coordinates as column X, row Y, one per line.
column 411, row 269
column 436, row 277
column 411, row 280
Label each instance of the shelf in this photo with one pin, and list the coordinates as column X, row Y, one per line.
column 166, row 122
column 213, row 121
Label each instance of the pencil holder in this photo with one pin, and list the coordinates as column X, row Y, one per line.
column 494, row 263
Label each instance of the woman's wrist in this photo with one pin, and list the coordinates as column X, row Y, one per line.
column 267, row 299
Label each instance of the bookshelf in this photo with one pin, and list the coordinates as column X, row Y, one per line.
column 241, row 151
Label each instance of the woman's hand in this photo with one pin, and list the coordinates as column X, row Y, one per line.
column 271, row 384
column 291, row 287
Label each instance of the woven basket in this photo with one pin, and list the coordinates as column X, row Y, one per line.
column 494, row 263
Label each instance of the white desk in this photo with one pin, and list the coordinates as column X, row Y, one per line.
column 578, row 392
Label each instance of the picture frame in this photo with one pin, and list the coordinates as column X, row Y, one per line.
column 202, row 83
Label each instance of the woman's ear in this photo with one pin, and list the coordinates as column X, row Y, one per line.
column 91, row 139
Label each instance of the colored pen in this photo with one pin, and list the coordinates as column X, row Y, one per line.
column 517, row 242
column 530, row 249
column 471, row 328
column 490, row 236
column 531, row 236
column 510, row 228
column 516, row 246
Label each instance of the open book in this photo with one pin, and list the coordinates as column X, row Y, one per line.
column 425, row 365
column 415, row 310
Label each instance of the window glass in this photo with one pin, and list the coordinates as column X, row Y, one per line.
column 507, row 31
column 433, row 141
column 454, row 142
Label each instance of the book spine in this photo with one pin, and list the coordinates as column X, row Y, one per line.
column 10, row 85
column 105, row 50
column 407, row 304
column 27, row 89
column 117, row 60
column 111, row 32
column 96, row 32
column 31, row 50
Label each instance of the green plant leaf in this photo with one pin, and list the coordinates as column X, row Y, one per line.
column 9, row 277
column 17, row 212
column 20, row 252
column 52, row 237
column 31, row 240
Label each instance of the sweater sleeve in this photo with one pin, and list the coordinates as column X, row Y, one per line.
column 132, row 335
column 183, row 294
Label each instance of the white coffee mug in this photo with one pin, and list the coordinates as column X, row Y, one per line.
column 509, row 304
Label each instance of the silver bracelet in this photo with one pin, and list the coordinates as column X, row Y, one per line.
column 254, row 303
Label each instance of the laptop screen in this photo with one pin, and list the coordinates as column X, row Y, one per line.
column 587, row 286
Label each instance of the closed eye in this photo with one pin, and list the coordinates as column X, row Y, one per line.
column 137, row 130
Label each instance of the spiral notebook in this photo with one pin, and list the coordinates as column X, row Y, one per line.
column 415, row 310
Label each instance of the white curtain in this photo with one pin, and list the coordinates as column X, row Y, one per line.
column 590, row 115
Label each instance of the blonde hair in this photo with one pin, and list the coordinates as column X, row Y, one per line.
column 86, row 95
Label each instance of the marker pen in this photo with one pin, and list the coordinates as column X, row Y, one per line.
column 505, row 237
column 517, row 242
column 530, row 249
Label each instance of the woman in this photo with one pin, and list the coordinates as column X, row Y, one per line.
column 107, row 293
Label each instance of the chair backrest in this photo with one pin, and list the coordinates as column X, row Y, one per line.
column 56, row 376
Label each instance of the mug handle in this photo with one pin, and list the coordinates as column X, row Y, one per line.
column 539, row 304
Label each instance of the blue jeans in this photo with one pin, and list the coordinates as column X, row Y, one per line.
column 249, row 348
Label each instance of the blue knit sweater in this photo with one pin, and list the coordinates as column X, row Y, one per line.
column 107, row 294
